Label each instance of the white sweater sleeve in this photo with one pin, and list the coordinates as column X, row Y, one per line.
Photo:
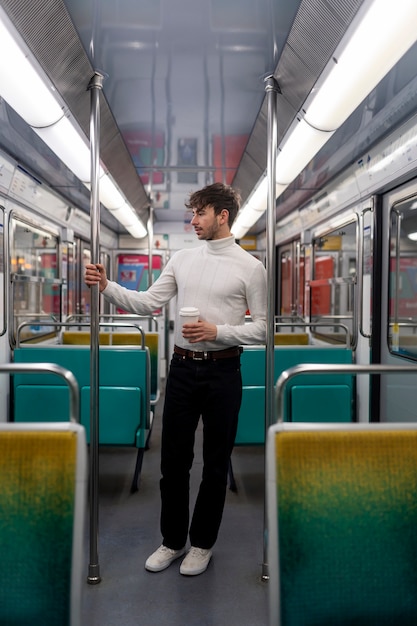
column 253, row 332
column 143, row 302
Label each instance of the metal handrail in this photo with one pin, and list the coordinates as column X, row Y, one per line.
column 4, row 262
column 83, row 324
column 52, row 368
column 314, row 325
column 116, row 316
column 403, row 324
column 293, row 318
column 334, row 317
column 337, row 280
column 26, row 278
column 361, row 272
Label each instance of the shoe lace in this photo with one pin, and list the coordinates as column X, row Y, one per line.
column 198, row 552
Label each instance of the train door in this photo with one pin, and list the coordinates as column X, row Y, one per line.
column 340, row 290
column 69, row 291
column 35, row 279
column 4, row 345
column 398, row 335
column 332, row 285
column 291, row 273
column 363, row 303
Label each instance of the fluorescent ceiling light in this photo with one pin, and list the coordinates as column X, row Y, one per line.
column 68, row 144
column 25, row 88
column 110, row 195
column 22, row 87
column 298, row 149
column 245, row 220
column 412, row 236
column 126, row 216
column 380, row 34
column 254, row 208
column 114, row 201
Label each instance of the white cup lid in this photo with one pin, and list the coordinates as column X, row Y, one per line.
column 189, row 310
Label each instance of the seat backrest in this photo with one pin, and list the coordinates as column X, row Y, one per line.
column 342, row 520
column 43, row 474
column 291, row 339
column 124, row 381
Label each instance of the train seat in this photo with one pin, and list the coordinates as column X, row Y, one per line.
column 324, row 398
column 291, row 339
column 80, row 337
column 125, row 415
column 322, row 393
column 342, row 518
column 43, row 485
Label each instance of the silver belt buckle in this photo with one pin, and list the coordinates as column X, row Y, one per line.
column 199, row 358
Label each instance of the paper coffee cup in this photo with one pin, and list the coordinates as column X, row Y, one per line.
column 189, row 315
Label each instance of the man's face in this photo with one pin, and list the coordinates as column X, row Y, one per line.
column 208, row 225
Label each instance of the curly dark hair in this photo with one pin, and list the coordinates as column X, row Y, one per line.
column 218, row 196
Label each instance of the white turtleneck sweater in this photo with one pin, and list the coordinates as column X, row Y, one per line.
column 221, row 279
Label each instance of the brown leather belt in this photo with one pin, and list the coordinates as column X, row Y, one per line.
column 209, row 355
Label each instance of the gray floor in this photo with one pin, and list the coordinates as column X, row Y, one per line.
column 229, row 593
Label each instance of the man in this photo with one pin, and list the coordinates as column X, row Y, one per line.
column 223, row 282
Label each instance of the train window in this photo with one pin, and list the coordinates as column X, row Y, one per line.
column 286, row 283
column 69, row 279
column 332, row 294
column 35, row 279
column 83, row 300
column 402, row 331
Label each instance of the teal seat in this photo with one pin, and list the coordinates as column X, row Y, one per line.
column 342, row 519
column 125, row 416
column 43, row 479
column 324, row 398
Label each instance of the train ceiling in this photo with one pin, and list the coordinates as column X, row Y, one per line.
column 184, row 91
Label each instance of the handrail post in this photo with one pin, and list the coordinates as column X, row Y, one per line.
column 271, row 89
column 149, row 228
column 95, row 86
column 6, row 270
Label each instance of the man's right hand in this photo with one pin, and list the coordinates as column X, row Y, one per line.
column 95, row 274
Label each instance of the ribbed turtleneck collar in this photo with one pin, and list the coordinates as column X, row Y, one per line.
column 218, row 245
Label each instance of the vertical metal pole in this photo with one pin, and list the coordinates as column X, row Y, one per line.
column 149, row 227
column 271, row 89
column 222, row 114
column 95, row 86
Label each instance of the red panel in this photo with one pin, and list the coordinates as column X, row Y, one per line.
column 320, row 296
column 234, row 146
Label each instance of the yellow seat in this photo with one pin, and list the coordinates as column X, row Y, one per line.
column 43, row 474
column 342, row 519
column 82, row 338
column 291, row 339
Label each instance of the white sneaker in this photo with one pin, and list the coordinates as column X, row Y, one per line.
column 162, row 558
column 195, row 562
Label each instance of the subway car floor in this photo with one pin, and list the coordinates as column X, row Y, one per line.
column 229, row 593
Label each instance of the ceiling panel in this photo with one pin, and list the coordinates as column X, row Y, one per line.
column 184, row 82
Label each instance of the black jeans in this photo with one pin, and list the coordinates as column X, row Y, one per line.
column 212, row 390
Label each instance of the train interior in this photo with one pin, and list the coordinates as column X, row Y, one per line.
column 111, row 113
